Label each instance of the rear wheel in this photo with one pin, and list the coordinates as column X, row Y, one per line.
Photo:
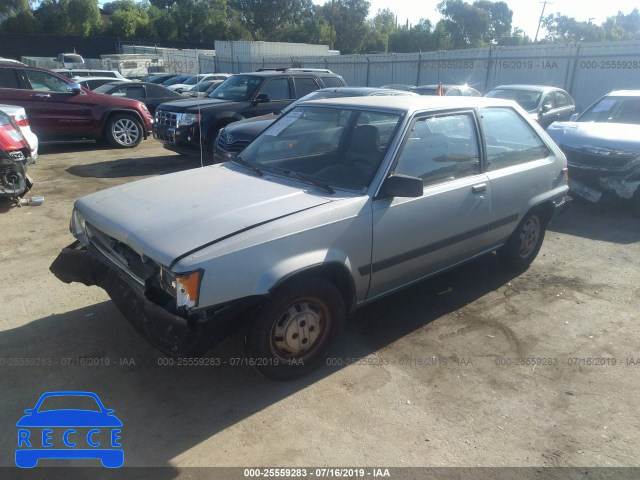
column 525, row 242
column 124, row 131
column 292, row 332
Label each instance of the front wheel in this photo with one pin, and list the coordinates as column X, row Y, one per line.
column 292, row 332
column 525, row 242
column 124, row 131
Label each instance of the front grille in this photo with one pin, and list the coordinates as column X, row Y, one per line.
column 583, row 159
column 127, row 263
column 228, row 144
column 168, row 119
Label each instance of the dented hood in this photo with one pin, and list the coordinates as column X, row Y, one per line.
column 612, row 136
column 167, row 216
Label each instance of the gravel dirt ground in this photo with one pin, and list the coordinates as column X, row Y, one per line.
column 474, row 367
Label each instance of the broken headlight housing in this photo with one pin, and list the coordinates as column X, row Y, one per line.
column 184, row 287
column 78, row 227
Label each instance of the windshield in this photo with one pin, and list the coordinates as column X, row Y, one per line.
column 238, row 88
column 192, row 80
column 614, row 110
column 66, row 402
column 175, row 80
column 72, row 59
column 527, row 99
column 106, row 88
column 202, row 86
column 318, row 95
column 339, row 146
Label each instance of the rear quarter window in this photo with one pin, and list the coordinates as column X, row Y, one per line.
column 8, row 78
column 510, row 140
column 332, row 82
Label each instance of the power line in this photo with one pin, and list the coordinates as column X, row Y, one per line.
column 544, row 5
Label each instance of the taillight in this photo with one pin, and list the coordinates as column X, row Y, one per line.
column 565, row 175
column 21, row 120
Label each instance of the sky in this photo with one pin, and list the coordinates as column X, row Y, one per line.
column 526, row 13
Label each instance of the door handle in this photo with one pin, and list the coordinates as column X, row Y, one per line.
column 42, row 95
column 481, row 187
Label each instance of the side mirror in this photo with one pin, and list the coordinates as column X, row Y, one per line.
column 546, row 107
column 398, row 185
column 74, row 88
column 262, row 98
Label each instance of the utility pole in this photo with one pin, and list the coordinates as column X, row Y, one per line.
column 544, row 5
column 331, row 28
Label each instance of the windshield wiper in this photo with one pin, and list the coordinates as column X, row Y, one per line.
column 249, row 165
column 309, row 179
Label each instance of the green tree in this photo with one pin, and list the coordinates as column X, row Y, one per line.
column 349, row 24
column 567, row 29
column 23, row 22
column 622, row 27
column 129, row 22
column 267, row 19
column 466, row 24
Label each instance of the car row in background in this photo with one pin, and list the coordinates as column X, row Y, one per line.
column 439, row 89
column 602, row 146
column 150, row 94
column 236, row 136
column 189, row 126
column 196, row 79
column 92, row 83
column 60, row 109
column 88, row 72
column 545, row 104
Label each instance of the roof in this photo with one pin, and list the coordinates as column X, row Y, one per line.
column 538, row 88
column 289, row 72
column 411, row 104
column 360, row 90
column 624, row 93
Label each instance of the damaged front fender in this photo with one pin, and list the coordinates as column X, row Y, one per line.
column 172, row 334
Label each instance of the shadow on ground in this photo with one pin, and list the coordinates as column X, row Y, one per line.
column 610, row 220
column 168, row 410
column 136, row 167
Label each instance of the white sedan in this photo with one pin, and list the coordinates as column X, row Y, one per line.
column 19, row 115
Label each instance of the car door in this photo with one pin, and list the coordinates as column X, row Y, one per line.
column 415, row 237
column 53, row 111
column 548, row 111
column 273, row 95
column 564, row 106
column 516, row 158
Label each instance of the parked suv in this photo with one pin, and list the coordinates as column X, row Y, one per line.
column 191, row 125
column 59, row 109
column 339, row 202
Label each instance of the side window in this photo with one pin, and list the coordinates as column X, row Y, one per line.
column 548, row 100
column 45, row 82
column 330, row 82
column 562, row 99
column 136, row 93
column 440, row 149
column 510, row 139
column 277, row 89
column 8, row 78
column 304, row 85
column 453, row 92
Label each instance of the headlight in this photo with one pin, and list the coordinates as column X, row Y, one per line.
column 78, row 224
column 188, row 289
column 189, row 118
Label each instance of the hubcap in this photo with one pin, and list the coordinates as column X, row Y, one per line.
column 298, row 330
column 125, row 131
column 529, row 235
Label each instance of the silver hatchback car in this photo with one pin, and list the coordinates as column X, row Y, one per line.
column 336, row 204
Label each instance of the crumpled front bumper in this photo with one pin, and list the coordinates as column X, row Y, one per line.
column 172, row 334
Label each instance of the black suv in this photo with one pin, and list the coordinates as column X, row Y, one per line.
column 190, row 125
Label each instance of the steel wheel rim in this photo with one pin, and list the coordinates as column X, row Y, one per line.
column 529, row 235
column 125, row 131
column 300, row 329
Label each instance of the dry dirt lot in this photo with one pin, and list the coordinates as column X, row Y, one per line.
column 475, row 367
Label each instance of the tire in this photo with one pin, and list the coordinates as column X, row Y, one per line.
column 292, row 332
column 523, row 245
column 124, row 131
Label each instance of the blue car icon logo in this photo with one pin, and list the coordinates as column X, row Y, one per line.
column 53, row 430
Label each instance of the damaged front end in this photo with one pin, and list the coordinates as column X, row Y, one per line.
column 14, row 181
column 595, row 171
column 160, row 305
